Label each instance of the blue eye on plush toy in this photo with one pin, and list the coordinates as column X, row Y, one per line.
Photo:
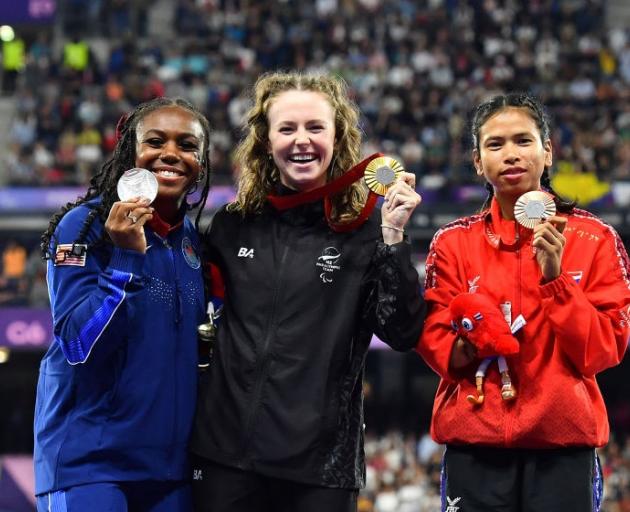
column 467, row 324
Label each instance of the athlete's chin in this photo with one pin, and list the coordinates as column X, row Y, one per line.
column 174, row 192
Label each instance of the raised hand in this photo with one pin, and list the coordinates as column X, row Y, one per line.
column 125, row 223
column 549, row 243
column 400, row 201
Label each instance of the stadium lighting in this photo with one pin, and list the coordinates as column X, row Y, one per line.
column 7, row 34
column 4, row 354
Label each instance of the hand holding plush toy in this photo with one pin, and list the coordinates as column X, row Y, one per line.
column 478, row 320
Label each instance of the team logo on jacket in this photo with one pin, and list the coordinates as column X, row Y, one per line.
column 189, row 254
column 452, row 504
column 472, row 284
column 328, row 262
column 245, row 252
column 576, row 275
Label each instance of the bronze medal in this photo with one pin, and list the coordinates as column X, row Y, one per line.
column 532, row 208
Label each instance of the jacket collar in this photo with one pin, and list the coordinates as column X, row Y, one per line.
column 503, row 233
column 163, row 228
column 300, row 213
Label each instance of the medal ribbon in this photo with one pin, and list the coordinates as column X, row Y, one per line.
column 354, row 174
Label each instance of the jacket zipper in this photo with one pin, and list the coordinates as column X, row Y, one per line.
column 263, row 360
column 519, row 271
column 177, row 322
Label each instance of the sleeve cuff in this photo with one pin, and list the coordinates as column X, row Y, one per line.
column 560, row 283
column 401, row 251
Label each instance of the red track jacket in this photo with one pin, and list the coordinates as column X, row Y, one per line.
column 577, row 326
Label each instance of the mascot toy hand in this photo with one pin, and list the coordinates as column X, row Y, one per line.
column 478, row 320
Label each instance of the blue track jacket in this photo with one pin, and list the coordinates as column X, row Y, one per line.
column 117, row 387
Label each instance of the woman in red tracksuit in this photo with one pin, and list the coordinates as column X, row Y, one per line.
column 570, row 279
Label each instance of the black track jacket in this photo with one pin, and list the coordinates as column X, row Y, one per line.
column 283, row 394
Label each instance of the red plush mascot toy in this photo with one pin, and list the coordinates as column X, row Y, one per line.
column 477, row 319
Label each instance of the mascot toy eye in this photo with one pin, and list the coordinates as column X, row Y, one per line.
column 467, row 324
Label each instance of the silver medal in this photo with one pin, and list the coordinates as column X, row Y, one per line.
column 137, row 182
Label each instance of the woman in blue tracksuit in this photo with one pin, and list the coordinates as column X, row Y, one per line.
column 116, row 391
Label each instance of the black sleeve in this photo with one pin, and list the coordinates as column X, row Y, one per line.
column 394, row 304
column 210, row 236
column 209, row 239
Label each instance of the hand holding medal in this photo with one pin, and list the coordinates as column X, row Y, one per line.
column 536, row 210
column 137, row 189
column 385, row 176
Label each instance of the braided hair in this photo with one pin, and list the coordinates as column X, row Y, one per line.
column 104, row 183
column 537, row 112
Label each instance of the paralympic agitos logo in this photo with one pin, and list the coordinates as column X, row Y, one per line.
column 328, row 262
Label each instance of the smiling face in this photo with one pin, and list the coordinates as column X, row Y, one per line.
column 301, row 138
column 511, row 155
column 169, row 143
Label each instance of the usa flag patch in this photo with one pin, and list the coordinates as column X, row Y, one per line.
column 71, row 254
column 576, row 275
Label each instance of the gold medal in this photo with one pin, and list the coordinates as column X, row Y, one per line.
column 381, row 173
column 534, row 207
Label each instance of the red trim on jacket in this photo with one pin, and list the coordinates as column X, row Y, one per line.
column 215, row 280
column 577, row 326
column 161, row 227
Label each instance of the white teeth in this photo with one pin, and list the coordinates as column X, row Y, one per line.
column 168, row 174
column 301, row 158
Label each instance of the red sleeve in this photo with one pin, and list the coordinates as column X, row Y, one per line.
column 591, row 324
column 443, row 283
column 215, row 280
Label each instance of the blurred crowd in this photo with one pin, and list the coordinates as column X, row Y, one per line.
column 22, row 275
column 403, row 474
column 415, row 68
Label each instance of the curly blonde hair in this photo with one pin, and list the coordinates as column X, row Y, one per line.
column 259, row 174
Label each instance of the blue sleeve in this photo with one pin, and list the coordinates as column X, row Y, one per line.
column 89, row 302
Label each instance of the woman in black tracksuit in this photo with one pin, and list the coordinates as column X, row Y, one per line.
column 309, row 275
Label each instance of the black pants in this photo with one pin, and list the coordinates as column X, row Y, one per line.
column 478, row 479
column 218, row 488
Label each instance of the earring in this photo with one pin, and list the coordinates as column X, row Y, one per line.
column 201, row 177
